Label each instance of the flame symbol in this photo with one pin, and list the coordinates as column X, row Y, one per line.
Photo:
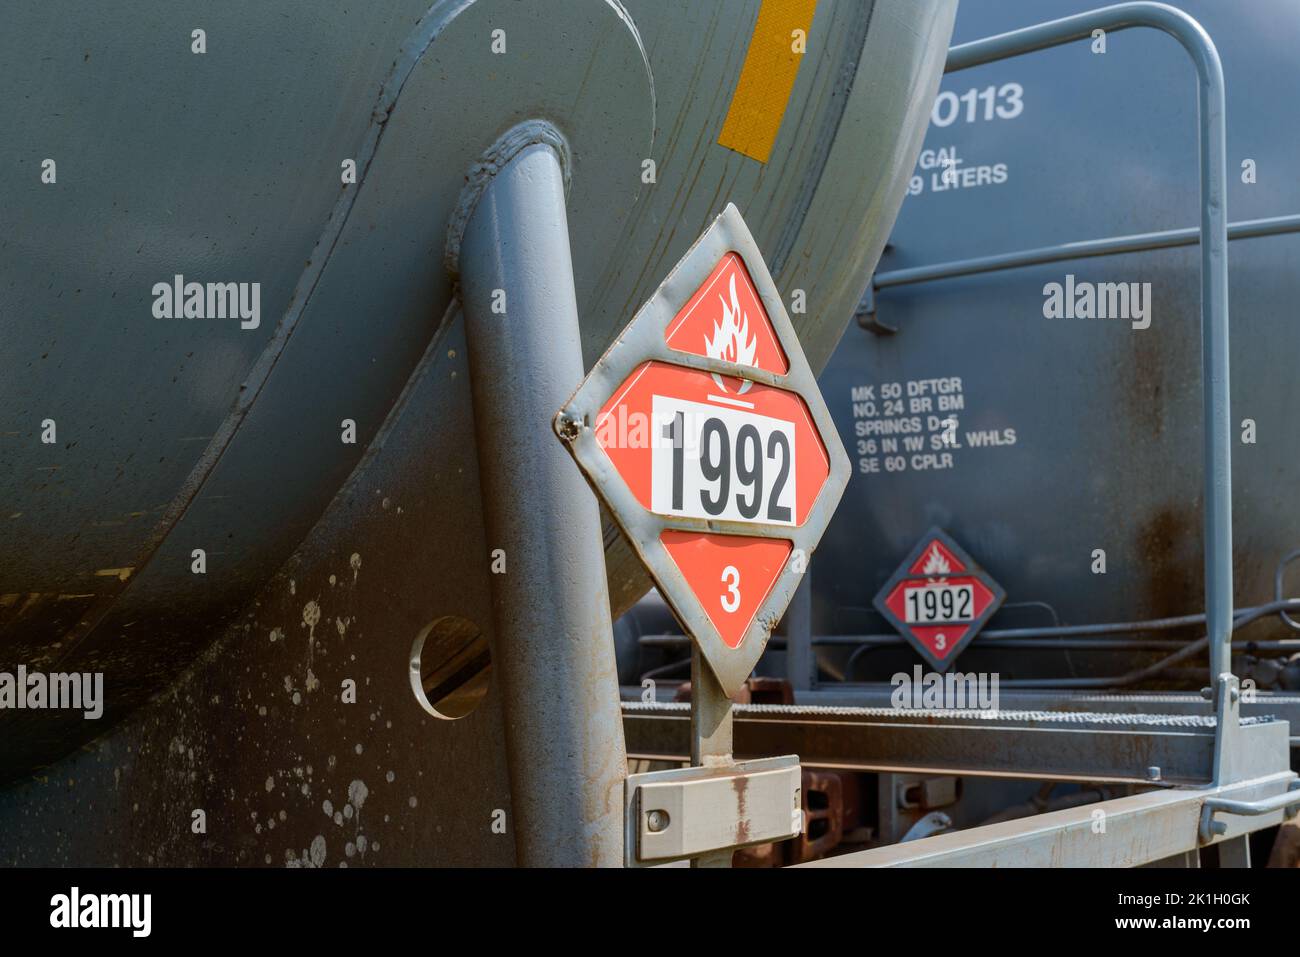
column 731, row 340
column 935, row 563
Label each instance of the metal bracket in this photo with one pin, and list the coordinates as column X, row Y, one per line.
column 1231, row 758
column 690, row 812
column 866, row 315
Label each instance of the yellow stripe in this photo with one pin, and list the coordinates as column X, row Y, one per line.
column 767, row 77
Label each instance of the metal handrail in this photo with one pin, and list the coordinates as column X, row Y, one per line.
column 1084, row 249
column 1288, row 802
column 1211, row 104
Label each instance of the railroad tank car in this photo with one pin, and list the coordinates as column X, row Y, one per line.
column 1073, row 471
column 319, row 446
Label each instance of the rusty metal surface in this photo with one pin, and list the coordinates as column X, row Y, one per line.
column 1286, row 846
column 256, row 733
column 704, row 813
column 827, row 814
column 823, row 815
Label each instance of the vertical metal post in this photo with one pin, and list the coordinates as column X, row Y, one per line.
column 553, row 650
column 711, row 733
column 800, row 666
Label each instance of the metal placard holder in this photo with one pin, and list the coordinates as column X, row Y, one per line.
column 705, row 812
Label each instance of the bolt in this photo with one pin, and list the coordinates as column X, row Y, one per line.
column 656, row 821
column 569, row 428
column 1153, row 773
column 1234, row 693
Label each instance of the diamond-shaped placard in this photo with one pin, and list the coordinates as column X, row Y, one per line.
column 703, row 431
column 939, row 599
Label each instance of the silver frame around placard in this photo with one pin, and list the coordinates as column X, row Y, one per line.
column 643, row 341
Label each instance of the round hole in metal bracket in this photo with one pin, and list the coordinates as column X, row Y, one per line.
column 451, row 667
